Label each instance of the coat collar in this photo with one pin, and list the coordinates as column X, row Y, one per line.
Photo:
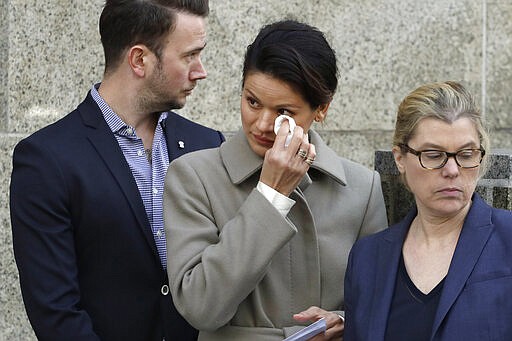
column 241, row 162
column 475, row 232
column 388, row 256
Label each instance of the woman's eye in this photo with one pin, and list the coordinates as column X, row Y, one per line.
column 252, row 102
column 466, row 154
column 433, row 155
column 284, row 112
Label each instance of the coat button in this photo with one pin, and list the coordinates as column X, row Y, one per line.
column 165, row 290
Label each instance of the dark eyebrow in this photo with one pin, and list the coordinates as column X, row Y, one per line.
column 201, row 48
column 250, row 93
column 195, row 50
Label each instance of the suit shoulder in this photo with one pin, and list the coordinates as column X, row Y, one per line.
column 503, row 218
column 58, row 131
column 392, row 233
column 376, row 237
column 184, row 123
column 499, row 217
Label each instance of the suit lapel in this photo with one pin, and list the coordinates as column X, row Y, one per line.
column 474, row 235
column 388, row 257
column 177, row 137
column 101, row 137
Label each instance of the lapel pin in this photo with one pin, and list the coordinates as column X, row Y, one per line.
column 181, row 144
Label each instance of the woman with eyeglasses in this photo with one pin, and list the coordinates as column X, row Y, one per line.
column 445, row 271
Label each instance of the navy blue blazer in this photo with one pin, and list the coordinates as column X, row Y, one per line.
column 88, row 264
column 476, row 301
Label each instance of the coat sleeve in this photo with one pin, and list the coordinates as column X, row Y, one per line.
column 43, row 244
column 211, row 268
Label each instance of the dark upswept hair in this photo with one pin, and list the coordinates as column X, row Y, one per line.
column 297, row 54
column 124, row 23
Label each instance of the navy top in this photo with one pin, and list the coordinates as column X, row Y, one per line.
column 412, row 312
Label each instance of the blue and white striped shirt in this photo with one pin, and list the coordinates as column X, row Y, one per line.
column 148, row 176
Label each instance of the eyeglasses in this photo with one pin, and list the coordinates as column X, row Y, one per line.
column 435, row 159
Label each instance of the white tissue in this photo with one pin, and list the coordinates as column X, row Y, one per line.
column 291, row 123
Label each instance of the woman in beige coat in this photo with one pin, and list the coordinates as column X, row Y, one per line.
column 258, row 231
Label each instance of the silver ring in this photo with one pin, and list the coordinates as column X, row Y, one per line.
column 302, row 153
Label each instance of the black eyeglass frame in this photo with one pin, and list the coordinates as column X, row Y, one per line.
column 408, row 149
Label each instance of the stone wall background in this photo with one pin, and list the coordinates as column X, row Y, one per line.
column 51, row 55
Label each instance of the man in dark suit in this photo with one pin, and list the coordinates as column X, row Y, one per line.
column 86, row 191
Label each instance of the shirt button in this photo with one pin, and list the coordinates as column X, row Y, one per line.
column 155, row 191
column 140, row 152
column 129, row 131
column 165, row 290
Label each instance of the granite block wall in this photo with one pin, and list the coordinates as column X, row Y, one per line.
column 4, row 53
column 51, row 55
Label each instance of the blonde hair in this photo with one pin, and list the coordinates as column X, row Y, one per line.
column 447, row 101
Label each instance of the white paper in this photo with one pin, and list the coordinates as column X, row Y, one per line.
column 291, row 124
column 309, row 331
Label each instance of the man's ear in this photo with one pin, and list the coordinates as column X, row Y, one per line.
column 399, row 159
column 139, row 59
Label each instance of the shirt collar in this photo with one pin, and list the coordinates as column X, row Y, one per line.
column 115, row 123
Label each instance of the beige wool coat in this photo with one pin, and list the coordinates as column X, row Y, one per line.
column 238, row 269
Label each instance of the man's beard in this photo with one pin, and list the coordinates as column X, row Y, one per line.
column 155, row 104
column 156, row 97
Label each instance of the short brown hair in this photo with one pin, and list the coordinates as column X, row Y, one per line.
column 124, row 23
